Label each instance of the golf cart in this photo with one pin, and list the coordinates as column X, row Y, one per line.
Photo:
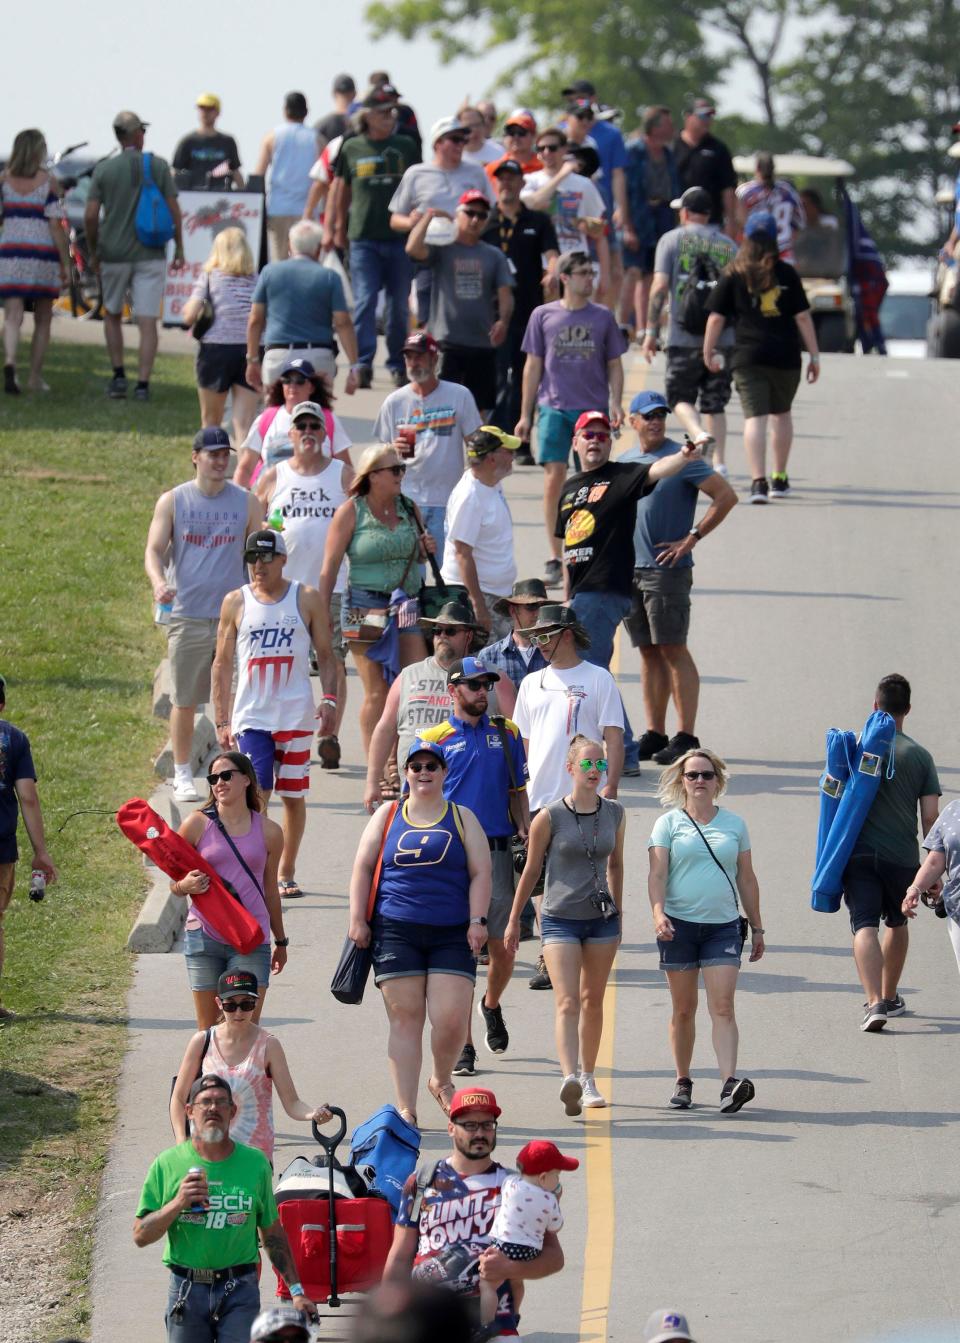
column 820, row 250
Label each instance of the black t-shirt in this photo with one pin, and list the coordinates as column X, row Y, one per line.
column 523, row 242
column 710, row 166
column 764, row 328
column 596, row 517
column 330, row 126
column 200, row 154
column 16, row 763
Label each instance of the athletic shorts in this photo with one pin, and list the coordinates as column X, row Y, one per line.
column 501, row 901
column 766, row 391
column 220, row 367
column 281, row 760
column 689, row 379
column 554, row 929
column 696, row 945
column 661, row 607
column 9, row 852
column 873, row 888
column 555, row 435
column 207, row 958
column 402, row 948
column 191, row 645
column 145, row 281
column 475, row 369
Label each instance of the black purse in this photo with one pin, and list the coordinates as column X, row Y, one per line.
column 353, row 967
column 743, row 922
column 203, row 1055
column 205, row 317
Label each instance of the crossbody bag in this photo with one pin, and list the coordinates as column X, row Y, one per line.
column 743, row 922
column 215, row 817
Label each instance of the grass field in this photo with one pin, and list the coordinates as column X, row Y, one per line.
column 79, row 475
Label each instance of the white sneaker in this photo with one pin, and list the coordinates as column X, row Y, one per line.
column 591, row 1098
column 184, row 791
column 570, row 1094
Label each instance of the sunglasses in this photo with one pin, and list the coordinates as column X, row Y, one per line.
column 307, row 424
column 695, row 774
column 454, row 139
column 431, row 766
column 549, row 149
column 476, row 214
column 255, row 557
column 294, row 380
column 654, row 415
column 240, row 1005
column 473, row 684
column 476, row 1125
column 587, row 765
column 516, row 131
column 595, row 435
column 541, row 640
column 450, row 630
column 397, row 470
column 223, row 776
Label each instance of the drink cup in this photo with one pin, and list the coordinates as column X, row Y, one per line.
column 407, row 436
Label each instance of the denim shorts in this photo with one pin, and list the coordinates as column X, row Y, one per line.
column 554, row 929
column 207, row 958
column 402, row 948
column 356, row 602
column 696, row 945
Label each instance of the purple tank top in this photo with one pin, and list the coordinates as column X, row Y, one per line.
column 214, row 847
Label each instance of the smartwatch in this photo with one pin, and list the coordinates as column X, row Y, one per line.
column 695, row 531
column 479, row 919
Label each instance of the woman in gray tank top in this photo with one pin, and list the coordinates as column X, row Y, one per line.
column 581, row 922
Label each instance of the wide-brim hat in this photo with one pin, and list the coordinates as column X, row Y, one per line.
column 454, row 613
column 525, row 592
column 555, row 617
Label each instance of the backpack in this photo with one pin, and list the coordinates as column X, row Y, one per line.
column 692, row 306
column 154, row 220
column 390, row 1146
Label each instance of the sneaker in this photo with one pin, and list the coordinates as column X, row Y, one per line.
column 591, row 1098
column 117, row 389
column 675, row 748
column 364, row 376
column 497, row 1036
column 553, row 574
column 184, row 791
column 141, row 392
column 874, row 1016
column 631, row 769
column 541, row 980
column 722, row 469
column 466, row 1063
column 735, row 1094
column 682, row 1097
column 523, row 456
column 759, row 491
column 651, row 741
column 895, row 1006
column 570, row 1094
column 10, row 384
column 779, row 485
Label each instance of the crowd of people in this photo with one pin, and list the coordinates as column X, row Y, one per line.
column 494, row 732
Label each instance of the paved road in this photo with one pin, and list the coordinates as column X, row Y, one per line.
column 827, row 1210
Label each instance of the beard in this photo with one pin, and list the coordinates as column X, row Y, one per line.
column 476, row 709
column 475, row 1146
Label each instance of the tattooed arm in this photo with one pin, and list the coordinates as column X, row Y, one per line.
column 274, row 1241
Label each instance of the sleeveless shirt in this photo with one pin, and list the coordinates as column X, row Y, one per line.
column 208, row 536
column 252, row 1089
column 273, row 657
column 424, row 877
column 294, row 154
column 307, row 504
column 218, row 853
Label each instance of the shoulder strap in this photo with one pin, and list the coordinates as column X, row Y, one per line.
column 713, row 855
column 458, row 821
column 203, row 1052
column 374, row 884
column 147, row 157
column 426, row 1174
column 214, row 815
column 500, row 723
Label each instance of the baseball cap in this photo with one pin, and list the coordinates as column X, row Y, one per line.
column 447, row 126
column 466, row 669
column 210, row 439
column 508, row 166
column 644, row 402
column 237, row 984
column 664, row 1325
column 695, row 199
column 210, row 1082
column 579, row 105
column 128, row 122
column 523, row 118
column 306, row 408
column 592, row 417
column 700, row 107
column 421, row 342
column 474, row 196
column 298, row 365
column 578, row 88
column 344, row 84
column 488, row 438
column 474, row 1098
column 280, row 1320
column 540, row 1156
column 381, row 95
column 208, row 100
column 265, row 542
column 761, row 224
column 418, row 746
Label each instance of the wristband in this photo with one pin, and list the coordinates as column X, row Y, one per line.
column 814, row 359
column 281, row 941
column 757, row 930
column 223, row 724
column 328, row 699
column 295, row 1288
column 253, row 359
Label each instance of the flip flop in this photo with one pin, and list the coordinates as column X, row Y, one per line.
column 289, row 890
column 437, row 1091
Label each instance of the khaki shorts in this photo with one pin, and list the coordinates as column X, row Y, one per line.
column 323, row 360
column 145, row 281
column 661, row 607
column 278, row 235
column 191, row 645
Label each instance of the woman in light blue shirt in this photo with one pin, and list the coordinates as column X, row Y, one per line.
column 699, row 861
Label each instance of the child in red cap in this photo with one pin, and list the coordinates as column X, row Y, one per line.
column 529, row 1206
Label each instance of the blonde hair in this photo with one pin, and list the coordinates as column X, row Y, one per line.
column 230, row 253
column 26, row 157
column 578, row 743
column 670, row 788
column 370, row 459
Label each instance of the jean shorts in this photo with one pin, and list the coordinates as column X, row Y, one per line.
column 402, row 948
column 554, row 929
column 356, row 602
column 696, row 945
column 207, row 958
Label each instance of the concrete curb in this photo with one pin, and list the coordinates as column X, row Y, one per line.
column 204, row 742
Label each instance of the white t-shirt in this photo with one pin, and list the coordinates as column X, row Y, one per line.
column 479, row 515
column 442, row 420
column 274, row 445
column 526, row 1211
column 553, row 706
column 575, row 198
column 489, row 152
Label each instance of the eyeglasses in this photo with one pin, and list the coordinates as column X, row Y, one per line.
column 258, row 558
column 473, row 684
column 694, row 774
column 449, row 630
column 654, row 415
column 476, row 214
column 582, row 270
column 587, row 765
column 294, row 380
column 240, row 1005
column 431, row 766
column 541, row 640
column 306, row 424
column 595, row 435
column 211, row 1105
column 397, row 470
column 549, row 149
column 224, row 776
column 476, row 1125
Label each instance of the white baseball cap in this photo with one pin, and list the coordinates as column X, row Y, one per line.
column 664, row 1325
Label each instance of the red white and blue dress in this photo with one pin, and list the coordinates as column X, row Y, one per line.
column 29, row 261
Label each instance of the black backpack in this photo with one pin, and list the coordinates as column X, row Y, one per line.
column 692, row 307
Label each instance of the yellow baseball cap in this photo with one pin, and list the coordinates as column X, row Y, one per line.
column 488, row 438
column 208, row 100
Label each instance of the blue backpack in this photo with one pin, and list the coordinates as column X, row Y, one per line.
column 390, row 1146
column 154, row 220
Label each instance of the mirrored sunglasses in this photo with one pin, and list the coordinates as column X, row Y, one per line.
column 587, row 765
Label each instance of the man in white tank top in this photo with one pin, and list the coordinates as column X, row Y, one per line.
column 269, row 625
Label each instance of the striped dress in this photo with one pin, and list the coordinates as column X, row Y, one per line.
column 29, row 261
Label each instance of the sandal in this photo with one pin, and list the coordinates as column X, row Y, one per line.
column 390, row 783
column 410, row 1116
column 289, row 890
column 442, row 1093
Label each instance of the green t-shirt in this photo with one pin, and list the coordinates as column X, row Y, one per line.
column 241, row 1200
column 696, row 888
column 116, row 186
column 372, row 169
column 890, row 829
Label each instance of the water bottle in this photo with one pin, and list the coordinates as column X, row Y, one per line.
column 162, row 613
column 38, row 885
column 275, row 520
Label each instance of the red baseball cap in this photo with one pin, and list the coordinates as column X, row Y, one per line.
column 474, row 1098
column 474, row 197
column 539, row 1156
column 588, row 417
column 420, row 342
column 522, row 118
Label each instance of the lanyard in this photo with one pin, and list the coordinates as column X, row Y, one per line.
column 591, row 852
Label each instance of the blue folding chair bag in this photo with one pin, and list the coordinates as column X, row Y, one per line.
column 391, row 1146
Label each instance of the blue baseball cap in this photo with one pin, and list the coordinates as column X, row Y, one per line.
column 468, row 669
column 299, row 365
column 644, row 402
column 418, row 746
column 761, row 224
column 211, row 439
